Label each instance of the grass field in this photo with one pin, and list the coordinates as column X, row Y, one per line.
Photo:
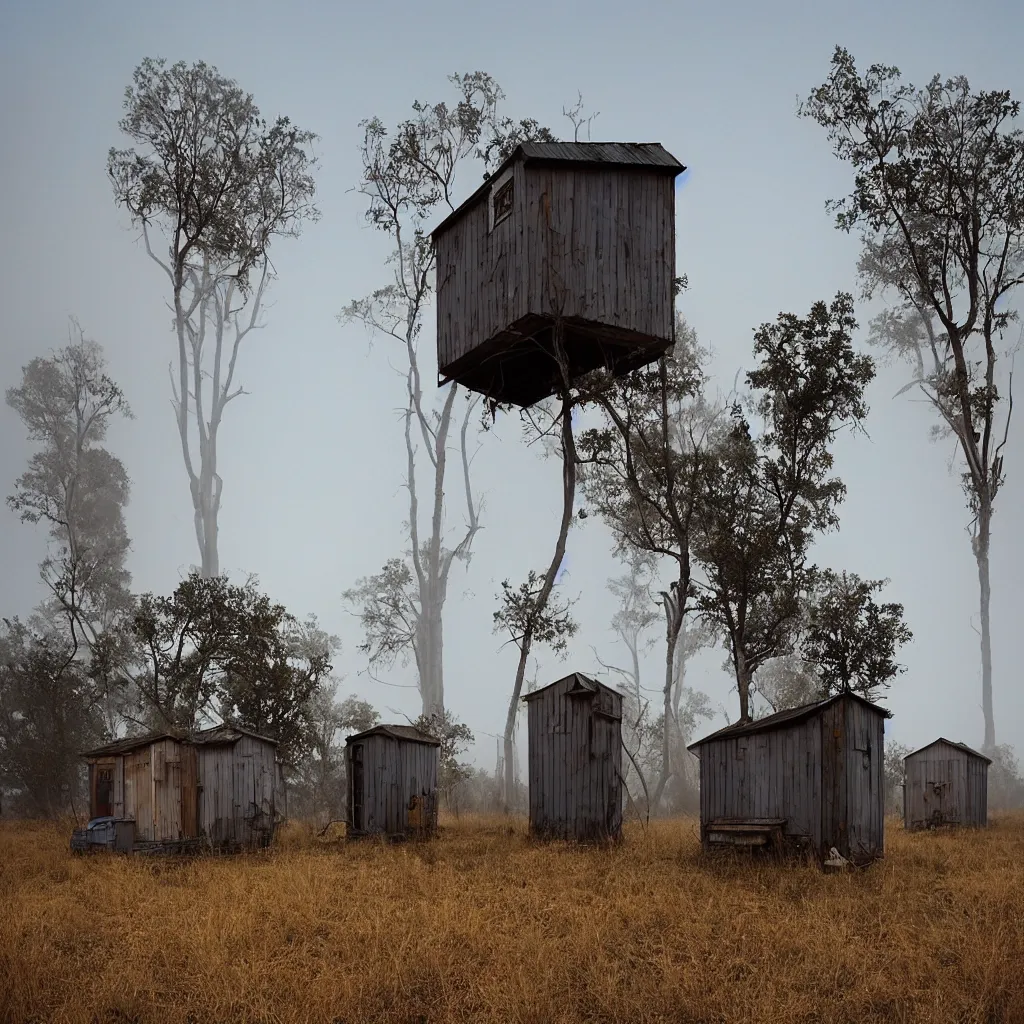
column 481, row 925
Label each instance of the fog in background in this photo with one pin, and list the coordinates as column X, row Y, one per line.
column 313, row 459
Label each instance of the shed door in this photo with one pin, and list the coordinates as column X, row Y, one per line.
column 356, row 789
column 939, row 800
column 103, row 790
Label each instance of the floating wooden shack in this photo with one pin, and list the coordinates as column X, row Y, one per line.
column 222, row 785
column 575, row 760
column 812, row 775
column 392, row 773
column 945, row 784
column 578, row 233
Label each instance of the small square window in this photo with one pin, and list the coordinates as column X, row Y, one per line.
column 501, row 200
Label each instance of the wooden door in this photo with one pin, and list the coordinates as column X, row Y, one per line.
column 101, row 785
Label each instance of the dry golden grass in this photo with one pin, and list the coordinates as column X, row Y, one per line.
column 482, row 925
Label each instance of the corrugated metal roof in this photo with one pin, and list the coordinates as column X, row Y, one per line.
column 652, row 155
column 581, row 682
column 783, row 718
column 217, row 734
column 398, row 732
column 953, row 743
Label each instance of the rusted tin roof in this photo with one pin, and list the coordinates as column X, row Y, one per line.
column 650, row 155
column 398, row 732
column 959, row 746
column 781, row 719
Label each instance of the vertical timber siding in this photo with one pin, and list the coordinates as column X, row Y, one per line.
column 587, row 243
column 774, row 774
column 575, row 763
column 394, row 772
column 865, row 782
column 945, row 785
column 237, row 803
column 822, row 773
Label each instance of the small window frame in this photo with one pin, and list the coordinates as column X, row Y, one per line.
column 503, row 184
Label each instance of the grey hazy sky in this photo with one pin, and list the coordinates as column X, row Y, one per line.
column 313, row 460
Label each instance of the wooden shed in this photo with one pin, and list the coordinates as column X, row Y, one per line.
column 578, row 233
column 392, row 773
column 945, row 783
column 223, row 784
column 575, row 760
column 812, row 775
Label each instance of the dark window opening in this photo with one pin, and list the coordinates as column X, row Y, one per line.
column 502, row 200
column 104, row 793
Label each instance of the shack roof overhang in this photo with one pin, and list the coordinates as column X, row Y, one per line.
column 397, row 732
column 651, row 156
column 959, row 746
column 784, row 719
column 214, row 736
column 582, row 685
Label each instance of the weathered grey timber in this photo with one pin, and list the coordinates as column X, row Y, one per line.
column 815, row 772
column 224, row 785
column 579, row 232
column 575, row 760
column 392, row 775
column 946, row 783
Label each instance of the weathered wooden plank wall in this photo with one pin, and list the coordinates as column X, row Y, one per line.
column 597, row 244
column 865, row 782
column 237, row 805
column 575, row 763
column 945, row 786
column 823, row 774
column 775, row 774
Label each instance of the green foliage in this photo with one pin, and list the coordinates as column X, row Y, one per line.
column 388, row 612
column 763, row 499
column 455, row 736
column 522, row 615
column 850, row 638
column 221, row 180
column 216, row 649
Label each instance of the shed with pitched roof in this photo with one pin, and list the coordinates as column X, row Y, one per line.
column 392, row 773
column 575, row 760
column 945, row 783
column 811, row 775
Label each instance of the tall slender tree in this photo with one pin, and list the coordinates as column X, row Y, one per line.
column 642, row 472
column 221, row 184
column 938, row 199
column 409, row 175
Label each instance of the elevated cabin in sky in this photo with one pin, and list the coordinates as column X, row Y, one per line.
column 575, row 760
column 812, row 776
column 578, row 234
column 223, row 784
column 945, row 783
column 392, row 773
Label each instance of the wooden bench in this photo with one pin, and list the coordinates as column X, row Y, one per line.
column 745, row 832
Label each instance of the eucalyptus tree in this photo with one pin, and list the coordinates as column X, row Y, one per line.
column 219, row 183
column 938, row 200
